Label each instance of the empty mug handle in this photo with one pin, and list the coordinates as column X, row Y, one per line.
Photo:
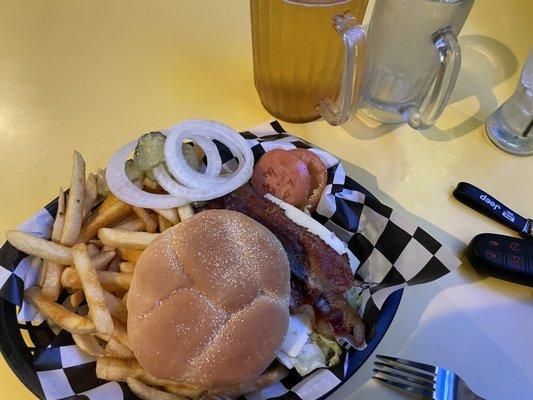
column 450, row 63
column 353, row 38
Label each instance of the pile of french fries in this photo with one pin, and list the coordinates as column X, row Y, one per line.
column 92, row 255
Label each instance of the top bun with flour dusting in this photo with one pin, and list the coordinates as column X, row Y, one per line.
column 208, row 304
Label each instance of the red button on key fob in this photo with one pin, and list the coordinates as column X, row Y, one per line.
column 514, row 246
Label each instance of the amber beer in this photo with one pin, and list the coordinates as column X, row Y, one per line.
column 298, row 55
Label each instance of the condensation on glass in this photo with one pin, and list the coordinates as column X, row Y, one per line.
column 413, row 59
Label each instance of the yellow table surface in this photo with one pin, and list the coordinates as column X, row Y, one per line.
column 92, row 75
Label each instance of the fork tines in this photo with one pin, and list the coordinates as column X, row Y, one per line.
column 407, row 375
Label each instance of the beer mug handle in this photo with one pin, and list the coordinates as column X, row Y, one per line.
column 450, row 63
column 353, row 38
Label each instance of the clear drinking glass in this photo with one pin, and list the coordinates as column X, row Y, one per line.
column 413, row 59
column 308, row 57
column 510, row 127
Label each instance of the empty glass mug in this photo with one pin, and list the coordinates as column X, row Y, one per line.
column 308, row 57
column 413, row 59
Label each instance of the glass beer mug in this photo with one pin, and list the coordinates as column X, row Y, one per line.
column 413, row 59
column 308, row 57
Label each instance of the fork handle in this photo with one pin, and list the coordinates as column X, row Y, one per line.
column 465, row 393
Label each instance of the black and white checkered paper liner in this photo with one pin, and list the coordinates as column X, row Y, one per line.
column 392, row 251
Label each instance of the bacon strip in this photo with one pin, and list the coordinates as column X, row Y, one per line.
column 319, row 275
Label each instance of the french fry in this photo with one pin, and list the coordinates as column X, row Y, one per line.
column 135, row 225
column 115, row 349
column 114, row 265
column 107, row 248
column 108, row 213
column 42, row 274
column 92, row 288
column 111, row 281
column 125, row 299
column 115, row 307
column 92, row 250
column 52, row 280
column 163, row 223
column 184, row 390
column 126, row 266
column 179, row 388
column 129, row 255
column 114, row 369
column 185, row 212
column 120, row 333
column 148, row 378
column 59, row 221
column 74, row 212
column 73, row 301
column 150, row 184
column 53, row 326
column 169, row 213
column 149, row 222
column 89, row 344
column 91, row 192
column 58, row 314
column 84, row 310
column 38, row 247
column 268, row 378
column 96, row 242
column 102, row 260
column 126, row 239
column 146, row 392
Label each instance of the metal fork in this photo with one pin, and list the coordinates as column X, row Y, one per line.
column 422, row 379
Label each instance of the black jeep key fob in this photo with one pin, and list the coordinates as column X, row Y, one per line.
column 503, row 257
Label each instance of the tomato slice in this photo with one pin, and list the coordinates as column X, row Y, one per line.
column 319, row 175
column 284, row 175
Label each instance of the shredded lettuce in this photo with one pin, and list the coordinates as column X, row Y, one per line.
column 355, row 297
column 317, row 352
column 297, row 335
column 306, row 350
column 310, row 358
column 330, row 348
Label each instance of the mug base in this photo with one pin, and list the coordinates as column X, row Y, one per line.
column 381, row 113
column 293, row 119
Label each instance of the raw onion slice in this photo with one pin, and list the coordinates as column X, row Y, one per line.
column 184, row 184
column 214, row 162
column 179, row 168
column 122, row 188
column 192, row 194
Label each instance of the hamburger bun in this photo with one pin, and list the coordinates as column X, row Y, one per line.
column 208, row 303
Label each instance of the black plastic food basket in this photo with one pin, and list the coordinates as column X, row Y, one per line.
column 23, row 343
